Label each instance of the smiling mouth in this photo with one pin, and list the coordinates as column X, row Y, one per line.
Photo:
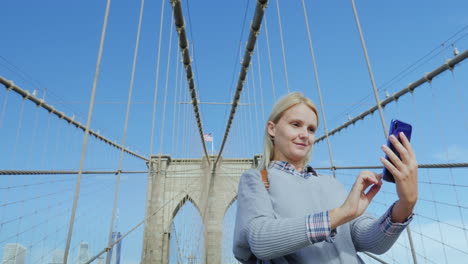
column 302, row 145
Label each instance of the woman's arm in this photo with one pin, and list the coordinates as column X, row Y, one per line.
column 405, row 171
column 378, row 235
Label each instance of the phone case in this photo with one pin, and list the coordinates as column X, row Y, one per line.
column 396, row 126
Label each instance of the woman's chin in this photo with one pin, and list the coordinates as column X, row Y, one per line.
column 297, row 157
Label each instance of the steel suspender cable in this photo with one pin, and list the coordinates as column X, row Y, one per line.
column 33, row 140
column 124, row 138
column 168, row 66
column 282, row 46
column 174, row 106
column 156, row 84
column 269, row 60
column 260, row 85
column 254, row 95
column 18, row 130
column 85, row 139
column 314, row 63
column 254, row 31
column 5, row 102
column 183, row 44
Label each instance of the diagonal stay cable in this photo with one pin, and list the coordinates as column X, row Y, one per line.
column 183, row 44
column 317, row 82
column 254, row 31
column 125, row 127
column 87, row 130
column 10, row 86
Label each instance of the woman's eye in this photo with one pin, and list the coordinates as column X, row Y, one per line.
column 312, row 130
column 295, row 124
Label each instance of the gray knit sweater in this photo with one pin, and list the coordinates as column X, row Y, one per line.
column 271, row 225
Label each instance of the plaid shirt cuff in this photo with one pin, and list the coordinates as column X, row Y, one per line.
column 390, row 228
column 318, row 227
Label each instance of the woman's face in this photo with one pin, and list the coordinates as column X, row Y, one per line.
column 294, row 134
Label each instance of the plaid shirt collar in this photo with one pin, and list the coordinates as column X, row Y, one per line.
column 306, row 172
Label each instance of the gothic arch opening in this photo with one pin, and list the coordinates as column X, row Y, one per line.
column 186, row 244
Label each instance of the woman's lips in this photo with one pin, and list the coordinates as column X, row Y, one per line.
column 301, row 144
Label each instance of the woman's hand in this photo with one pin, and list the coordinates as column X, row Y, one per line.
column 357, row 201
column 405, row 173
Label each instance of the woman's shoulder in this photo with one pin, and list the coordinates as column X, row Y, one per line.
column 250, row 176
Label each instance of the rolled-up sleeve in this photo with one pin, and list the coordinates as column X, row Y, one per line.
column 377, row 235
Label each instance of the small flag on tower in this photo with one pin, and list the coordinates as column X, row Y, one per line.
column 208, row 137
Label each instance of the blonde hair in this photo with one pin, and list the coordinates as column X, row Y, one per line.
column 280, row 107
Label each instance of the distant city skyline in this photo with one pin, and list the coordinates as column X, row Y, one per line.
column 15, row 253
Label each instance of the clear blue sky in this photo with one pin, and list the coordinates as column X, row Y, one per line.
column 54, row 45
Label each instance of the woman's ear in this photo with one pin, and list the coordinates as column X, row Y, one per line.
column 271, row 129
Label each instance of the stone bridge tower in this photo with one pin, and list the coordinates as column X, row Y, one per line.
column 171, row 183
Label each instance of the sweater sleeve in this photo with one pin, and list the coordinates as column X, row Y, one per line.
column 258, row 234
column 376, row 235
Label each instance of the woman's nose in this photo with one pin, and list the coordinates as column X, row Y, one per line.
column 303, row 133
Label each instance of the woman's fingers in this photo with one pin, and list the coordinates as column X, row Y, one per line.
column 390, row 167
column 392, row 156
column 373, row 191
column 406, row 144
column 358, row 199
column 365, row 179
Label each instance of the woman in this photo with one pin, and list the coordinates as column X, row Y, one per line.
column 304, row 217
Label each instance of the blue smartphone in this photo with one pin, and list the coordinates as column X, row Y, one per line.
column 396, row 126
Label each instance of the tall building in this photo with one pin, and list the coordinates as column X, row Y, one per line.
column 83, row 252
column 14, row 254
column 115, row 250
column 57, row 257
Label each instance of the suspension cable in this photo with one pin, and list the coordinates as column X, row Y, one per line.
column 9, row 85
column 448, row 65
column 183, row 44
column 254, row 31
